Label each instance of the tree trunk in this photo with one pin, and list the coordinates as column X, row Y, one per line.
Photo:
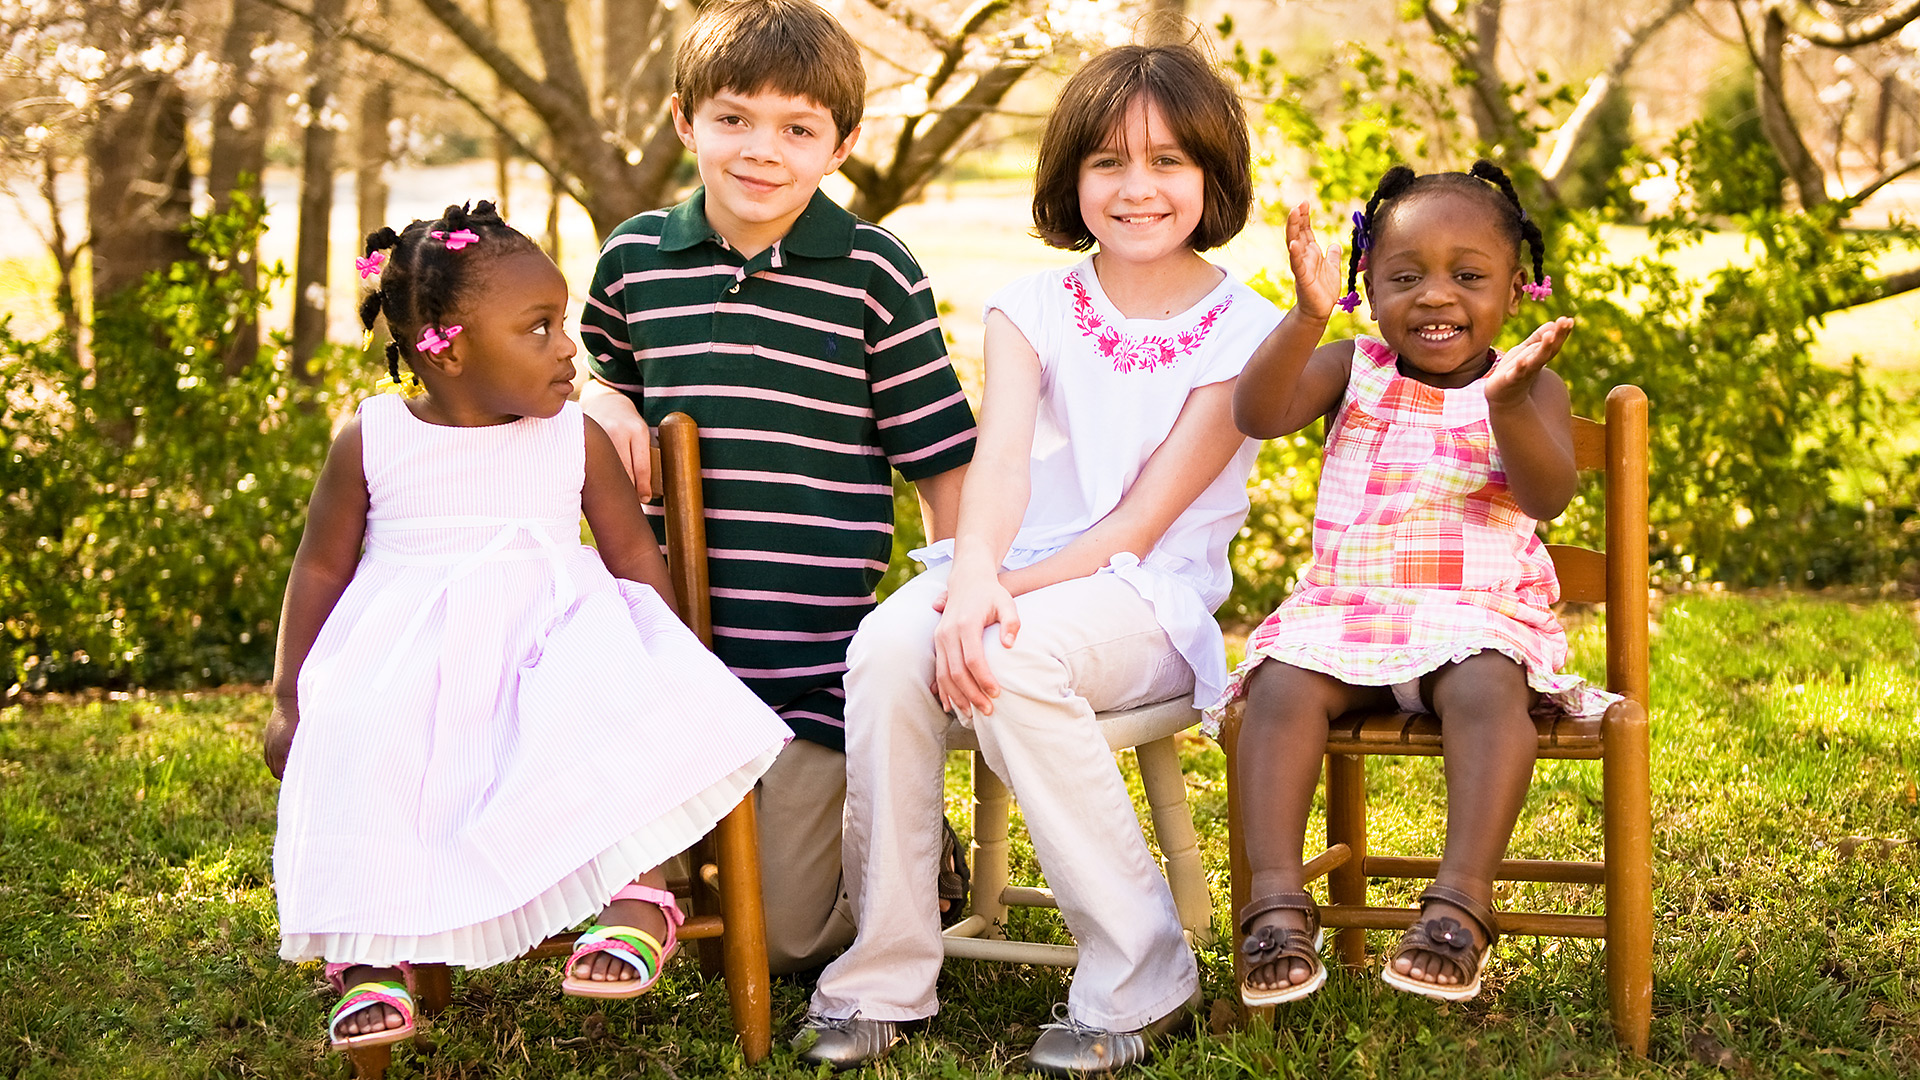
column 1775, row 122
column 237, row 157
column 374, row 153
column 139, row 193
column 316, row 190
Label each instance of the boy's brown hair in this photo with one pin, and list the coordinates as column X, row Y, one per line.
column 790, row 47
column 1203, row 112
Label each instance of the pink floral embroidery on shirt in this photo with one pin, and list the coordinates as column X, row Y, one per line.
column 1128, row 353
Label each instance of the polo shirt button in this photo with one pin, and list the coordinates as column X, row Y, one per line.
column 735, row 288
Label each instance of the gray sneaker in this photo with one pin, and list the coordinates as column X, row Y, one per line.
column 844, row 1044
column 1067, row 1047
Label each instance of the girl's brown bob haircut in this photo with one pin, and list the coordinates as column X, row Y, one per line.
column 1203, row 112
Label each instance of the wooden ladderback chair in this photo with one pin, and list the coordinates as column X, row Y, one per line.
column 1150, row 731
column 1618, row 740
column 726, row 922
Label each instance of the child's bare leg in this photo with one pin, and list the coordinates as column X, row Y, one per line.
column 1283, row 739
column 639, row 914
column 1489, row 743
column 381, row 1017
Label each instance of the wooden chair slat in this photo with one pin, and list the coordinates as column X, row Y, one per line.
column 1582, row 573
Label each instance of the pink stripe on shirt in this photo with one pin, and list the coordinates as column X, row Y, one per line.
column 763, row 476
column 756, row 393
column 803, row 599
column 924, row 410
column 781, row 635
column 951, row 440
column 798, row 519
column 795, row 558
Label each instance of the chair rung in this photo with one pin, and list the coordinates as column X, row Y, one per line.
column 1543, row 924
column 1012, row 952
column 1027, row 896
column 1552, row 870
column 973, row 926
column 1327, row 861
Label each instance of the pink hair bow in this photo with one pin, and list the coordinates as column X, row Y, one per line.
column 456, row 240
column 1539, row 290
column 370, row 265
column 435, row 341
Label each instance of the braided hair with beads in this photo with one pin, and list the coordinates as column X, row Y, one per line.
column 428, row 268
column 1485, row 180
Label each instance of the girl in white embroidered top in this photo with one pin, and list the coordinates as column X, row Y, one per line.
column 1090, row 554
column 482, row 724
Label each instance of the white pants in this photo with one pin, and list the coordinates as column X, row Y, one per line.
column 1084, row 645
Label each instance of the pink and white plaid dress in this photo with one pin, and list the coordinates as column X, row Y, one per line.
column 1420, row 555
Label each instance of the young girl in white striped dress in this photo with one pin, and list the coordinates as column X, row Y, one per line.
column 485, row 727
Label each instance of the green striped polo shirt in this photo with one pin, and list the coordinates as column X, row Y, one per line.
column 811, row 368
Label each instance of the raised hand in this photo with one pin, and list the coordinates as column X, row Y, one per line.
column 1511, row 380
column 1316, row 272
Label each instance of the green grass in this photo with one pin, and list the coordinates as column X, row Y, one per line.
column 137, row 932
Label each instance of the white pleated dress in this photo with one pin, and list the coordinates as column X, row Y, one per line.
column 495, row 733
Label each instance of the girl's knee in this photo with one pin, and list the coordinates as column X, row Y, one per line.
column 1277, row 692
column 1487, row 686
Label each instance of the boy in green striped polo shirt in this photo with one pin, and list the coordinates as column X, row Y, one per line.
column 806, row 345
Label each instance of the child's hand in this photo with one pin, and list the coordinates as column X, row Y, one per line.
column 1511, row 380
column 1316, row 273
column 961, row 678
column 280, row 728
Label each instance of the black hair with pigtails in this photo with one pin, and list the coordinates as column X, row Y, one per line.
column 1485, row 181
column 1396, row 180
column 426, row 271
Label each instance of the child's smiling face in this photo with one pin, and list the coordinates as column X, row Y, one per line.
column 761, row 158
column 1442, row 277
column 1141, row 194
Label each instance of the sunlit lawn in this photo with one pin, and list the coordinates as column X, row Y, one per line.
column 137, row 934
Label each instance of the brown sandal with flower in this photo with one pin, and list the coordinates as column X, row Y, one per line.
column 1274, row 946
column 1449, row 940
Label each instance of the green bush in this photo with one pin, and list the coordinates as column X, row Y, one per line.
column 153, row 500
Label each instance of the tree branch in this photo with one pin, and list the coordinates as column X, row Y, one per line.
column 1806, row 22
column 1574, row 130
column 1892, row 285
column 913, row 20
column 1893, row 172
column 544, row 97
column 486, row 113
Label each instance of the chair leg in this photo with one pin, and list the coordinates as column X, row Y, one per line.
column 1625, row 783
column 1347, row 824
column 992, row 807
column 433, row 984
column 744, row 943
column 370, row 1062
column 1173, row 830
column 703, row 900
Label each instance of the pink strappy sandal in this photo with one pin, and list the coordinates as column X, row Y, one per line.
column 363, row 996
column 634, row 947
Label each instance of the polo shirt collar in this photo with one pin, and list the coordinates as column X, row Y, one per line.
column 824, row 230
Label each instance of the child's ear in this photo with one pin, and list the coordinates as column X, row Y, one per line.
column 1519, row 292
column 1366, row 290
column 845, row 148
column 445, row 362
column 682, row 124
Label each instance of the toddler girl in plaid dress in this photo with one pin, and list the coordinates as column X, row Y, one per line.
column 1429, row 589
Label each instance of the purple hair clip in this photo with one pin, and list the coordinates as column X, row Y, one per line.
column 436, row 341
column 457, row 239
column 1348, row 302
column 370, row 265
column 1361, row 241
column 1539, row 290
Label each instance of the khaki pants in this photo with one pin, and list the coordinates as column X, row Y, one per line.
column 1086, row 644
column 799, row 808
